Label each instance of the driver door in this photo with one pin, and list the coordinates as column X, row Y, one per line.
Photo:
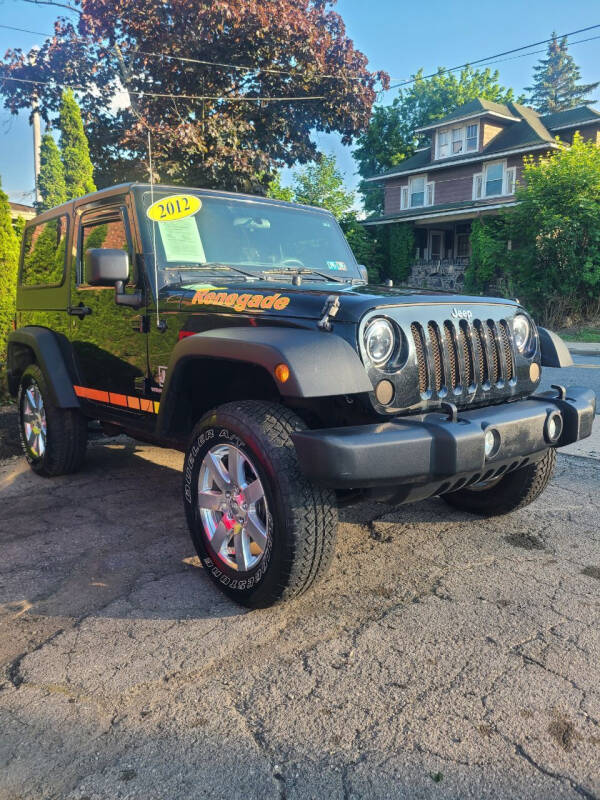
column 109, row 340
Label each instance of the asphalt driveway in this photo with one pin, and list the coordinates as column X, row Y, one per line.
column 442, row 657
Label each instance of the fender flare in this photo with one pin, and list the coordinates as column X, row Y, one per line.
column 50, row 358
column 554, row 351
column 321, row 364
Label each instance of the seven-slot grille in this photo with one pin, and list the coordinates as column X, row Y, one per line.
column 463, row 354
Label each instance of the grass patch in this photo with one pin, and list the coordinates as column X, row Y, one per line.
column 581, row 335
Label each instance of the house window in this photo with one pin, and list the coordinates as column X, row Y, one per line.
column 472, row 131
column 457, row 140
column 494, row 179
column 417, row 191
column 443, row 144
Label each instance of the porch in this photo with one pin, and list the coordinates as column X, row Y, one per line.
column 442, row 253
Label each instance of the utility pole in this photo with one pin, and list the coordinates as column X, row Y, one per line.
column 35, row 122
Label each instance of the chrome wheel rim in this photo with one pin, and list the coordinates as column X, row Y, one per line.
column 35, row 429
column 233, row 507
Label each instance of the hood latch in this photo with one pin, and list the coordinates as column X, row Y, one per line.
column 330, row 310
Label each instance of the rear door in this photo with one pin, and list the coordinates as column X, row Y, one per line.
column 109, row 340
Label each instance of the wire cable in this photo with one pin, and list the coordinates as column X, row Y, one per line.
column 496, row 55
column 226, row 98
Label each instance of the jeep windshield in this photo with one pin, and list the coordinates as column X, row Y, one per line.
column 255, row 238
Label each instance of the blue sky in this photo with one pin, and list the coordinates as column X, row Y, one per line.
column 397, row 37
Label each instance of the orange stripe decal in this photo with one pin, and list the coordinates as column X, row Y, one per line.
column 118, row 399
column 122, row 400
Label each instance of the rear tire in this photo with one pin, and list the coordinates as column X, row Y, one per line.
column 512, row 491
column 263, row 532
column 53, row 439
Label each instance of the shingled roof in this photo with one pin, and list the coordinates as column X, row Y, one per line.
column 574, row 116
column 474, row 108
column 525, row 128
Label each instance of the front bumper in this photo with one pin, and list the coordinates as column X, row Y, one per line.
column 432, row 448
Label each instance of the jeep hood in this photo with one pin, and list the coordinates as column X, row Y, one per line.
column 284, row 300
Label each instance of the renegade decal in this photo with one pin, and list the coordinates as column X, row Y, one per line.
column 240, row 302
column 177, row 206
column 112, row 399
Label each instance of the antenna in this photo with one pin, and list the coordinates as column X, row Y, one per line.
column 158, row 325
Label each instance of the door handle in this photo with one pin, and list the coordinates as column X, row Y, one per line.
column 80, row 311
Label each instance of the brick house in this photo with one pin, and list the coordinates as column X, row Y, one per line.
column 468, row 168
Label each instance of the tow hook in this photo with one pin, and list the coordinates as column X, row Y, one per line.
column 330, row 309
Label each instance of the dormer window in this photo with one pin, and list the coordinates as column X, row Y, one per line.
column 472, row 136
column 457, row 140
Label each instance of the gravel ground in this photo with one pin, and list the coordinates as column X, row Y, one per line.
column 442, row 657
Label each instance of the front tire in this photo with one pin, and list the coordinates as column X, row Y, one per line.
column 53, row 439
column 513, row 491
column 263, row 532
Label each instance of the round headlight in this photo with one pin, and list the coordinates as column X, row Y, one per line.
column 521, row 332
column 379, row 340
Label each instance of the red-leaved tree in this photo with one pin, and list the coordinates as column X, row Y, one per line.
column 256, row 49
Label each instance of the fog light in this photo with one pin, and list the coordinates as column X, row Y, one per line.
column 492, row 442
column 384, row 392
column 554, row 427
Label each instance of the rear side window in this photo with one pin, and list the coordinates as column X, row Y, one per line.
column 45, row 253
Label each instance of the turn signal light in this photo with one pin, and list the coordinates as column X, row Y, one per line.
column 282, row 372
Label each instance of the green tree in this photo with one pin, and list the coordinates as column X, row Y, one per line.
column 390, row 135
column 75, row 152
column 366, row 244
column 322, row 184
column 9, row 261
column 556, row 85
column 401, row 251
column 553, row 264
column 19, row 227
column 489, row 245
column 279, row 192
column 51, row 181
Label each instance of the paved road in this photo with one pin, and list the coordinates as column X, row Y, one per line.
column 443, row 656
column 585, row 372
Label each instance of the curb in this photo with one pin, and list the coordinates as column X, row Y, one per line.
column 584, row 348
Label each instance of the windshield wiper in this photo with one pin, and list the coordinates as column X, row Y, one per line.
column 214, row 266
column 303, row 271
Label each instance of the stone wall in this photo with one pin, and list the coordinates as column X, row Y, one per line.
column 447, row 275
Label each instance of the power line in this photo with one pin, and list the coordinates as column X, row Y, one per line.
column 167, row 94
column 536, row 52
column 230, row 99
column 496, row 55
column 217, row 64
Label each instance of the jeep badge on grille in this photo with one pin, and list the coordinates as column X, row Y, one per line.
column 462, row 313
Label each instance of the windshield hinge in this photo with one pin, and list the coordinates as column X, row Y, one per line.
column 330, row 310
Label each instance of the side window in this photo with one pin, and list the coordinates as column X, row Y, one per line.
column 109, row 233
column 44, row 253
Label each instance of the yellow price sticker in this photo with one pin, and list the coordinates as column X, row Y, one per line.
column 177, row 206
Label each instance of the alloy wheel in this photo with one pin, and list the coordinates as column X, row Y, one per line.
column 34, row 420
column 233, row 507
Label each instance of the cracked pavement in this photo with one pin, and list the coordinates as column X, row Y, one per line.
column 443, row 656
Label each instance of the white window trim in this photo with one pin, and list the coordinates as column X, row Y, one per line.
column 428, row 192
column 509, row 181
column 486, row 166
column 450, row 131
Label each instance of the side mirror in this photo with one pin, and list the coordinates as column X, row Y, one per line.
column 363, row 273
column 105, row 267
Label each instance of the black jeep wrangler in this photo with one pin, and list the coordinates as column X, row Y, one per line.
column 242, row 331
